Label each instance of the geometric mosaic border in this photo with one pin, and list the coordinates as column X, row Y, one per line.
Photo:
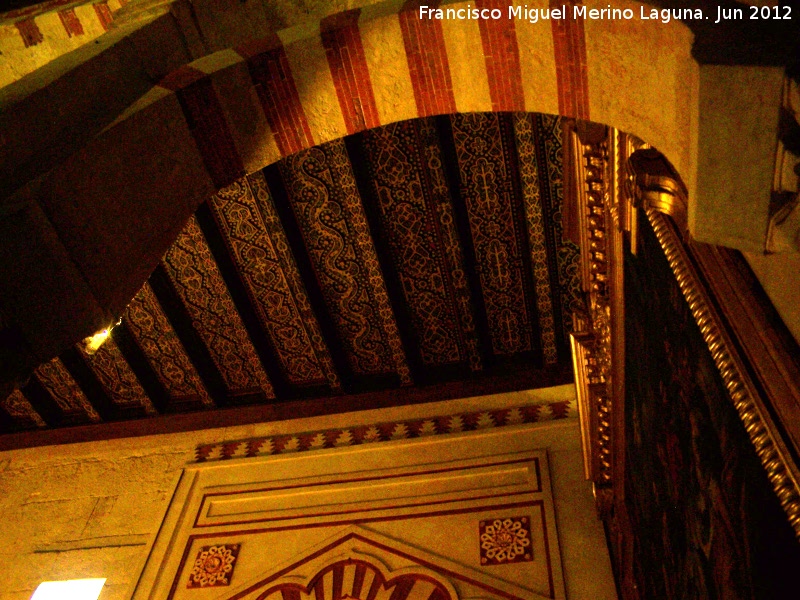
column 384, row 432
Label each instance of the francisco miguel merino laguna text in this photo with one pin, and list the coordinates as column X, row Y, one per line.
column 533, row 15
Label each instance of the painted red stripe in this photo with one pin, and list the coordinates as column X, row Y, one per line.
column 569, row 43
column 338, row 578
column 319, row 590
column 71, row 22
column 207, row 123
column 402, row 589
column 427, row 61
column 30, row 32
column 290, row 593
column 36, row 9
column 103, row 14
column 344, row 50
column 501, row 52
column 358, row 580
column 377, row 583
column 272, row 78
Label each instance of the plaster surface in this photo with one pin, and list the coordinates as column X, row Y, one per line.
column 94, row 509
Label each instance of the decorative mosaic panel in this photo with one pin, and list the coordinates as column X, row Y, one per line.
column 505, row 540
column 537, row 242
column 200, row 286
column 325, row 200
column 64, row 389
column 247, row 218
column 417, row 214
column 487, row 188
column 214, row 566
column 164, row 351
column 116, row 376
column 18, row 407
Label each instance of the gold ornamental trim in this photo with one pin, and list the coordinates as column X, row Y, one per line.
column 720, row 346
column 593, row 169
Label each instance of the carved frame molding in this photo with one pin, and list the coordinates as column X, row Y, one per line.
column 601, row 221
column 656, row 188
column 771, row 449
column 609, row 177
column 613, row 175
column 758, row 372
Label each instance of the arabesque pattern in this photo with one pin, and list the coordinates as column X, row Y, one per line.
column 116, row 377
column 420, row 229
column 155, row 336
column 529, row 179
column 488, row 193
column 199, row 284
column 243, row 210
column 70, row 398
column 425, row 257
column 327, row 205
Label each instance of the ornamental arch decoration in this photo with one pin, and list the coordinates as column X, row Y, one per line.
column 121, row 195
column 362, row 579
column 133, row 183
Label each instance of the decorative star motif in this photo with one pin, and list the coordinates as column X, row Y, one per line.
column 213, row 566
column 505, row 540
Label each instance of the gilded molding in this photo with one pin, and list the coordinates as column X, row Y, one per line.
column 653, row 182
column 736, row 381
column 593, row 357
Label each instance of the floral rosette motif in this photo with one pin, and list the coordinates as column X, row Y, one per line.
column 505, row 540
column 214, row 566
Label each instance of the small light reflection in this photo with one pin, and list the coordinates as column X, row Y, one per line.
column 73, row 589
column 92, row 343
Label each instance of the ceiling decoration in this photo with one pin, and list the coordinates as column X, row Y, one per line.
column 409, row 188
column 201, row 288
column 497, row 227
column 66, row 401
column 324, row 197
column 423, row 252
column 153, row 334
column 245, row 212
column 117, row 379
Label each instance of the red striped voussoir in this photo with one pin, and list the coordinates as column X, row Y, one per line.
column 428, row 64
column 207, row 123
column 501, row 53
column 271, row 76
column 572, row 72
column 384, row 432
column 426, row 56
column 344, row 51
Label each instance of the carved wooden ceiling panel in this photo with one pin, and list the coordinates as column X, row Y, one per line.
column 424, row 253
